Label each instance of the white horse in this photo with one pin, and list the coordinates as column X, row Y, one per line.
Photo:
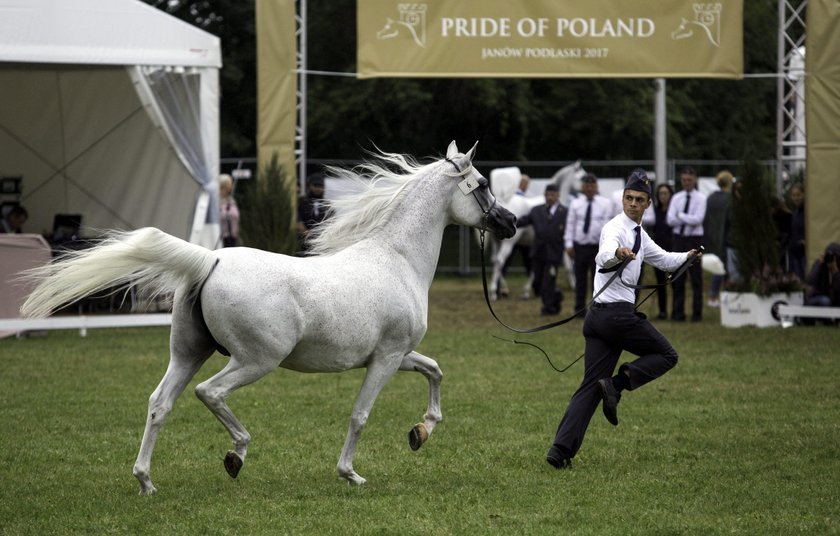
column 360, row 301
column 504, row 183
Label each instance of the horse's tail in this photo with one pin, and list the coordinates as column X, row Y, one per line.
column 146, row 257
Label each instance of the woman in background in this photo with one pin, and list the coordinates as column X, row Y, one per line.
column 228, row 212
column 662, row 234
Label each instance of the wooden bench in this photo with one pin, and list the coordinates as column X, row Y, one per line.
column 788, row 313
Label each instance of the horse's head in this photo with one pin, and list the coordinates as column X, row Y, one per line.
column 473, row 203
column 504, row 182
column 568, row 178
column 682, row 30
column 389, row 30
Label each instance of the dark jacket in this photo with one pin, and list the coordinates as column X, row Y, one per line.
column 662, row 232
column 548, row 233
column 821, row 281
column 312, row 211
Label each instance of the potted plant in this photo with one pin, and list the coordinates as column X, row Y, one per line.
column 760, row 284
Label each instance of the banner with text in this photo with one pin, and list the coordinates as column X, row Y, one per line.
column 550, row 38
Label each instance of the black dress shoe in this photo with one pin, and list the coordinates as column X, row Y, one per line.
column 678, row 317
column 662, row 315
column 558, row 463
column 610, row 397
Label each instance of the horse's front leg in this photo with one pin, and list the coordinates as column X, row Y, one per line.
column 379, row 371
column 499, row 285
column 429, row 368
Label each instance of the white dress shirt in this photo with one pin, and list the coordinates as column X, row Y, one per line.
column 619, row 232
column 692, row 219
column 575, row 219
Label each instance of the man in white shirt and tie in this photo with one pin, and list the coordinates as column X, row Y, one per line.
column 685, row 216
column 588, row 213
column 612, row 325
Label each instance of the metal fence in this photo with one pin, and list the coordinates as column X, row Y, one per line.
column 460, row 252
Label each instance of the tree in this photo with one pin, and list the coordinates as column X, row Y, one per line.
column 515, row 119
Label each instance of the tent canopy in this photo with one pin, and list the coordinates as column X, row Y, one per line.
column 110, row 111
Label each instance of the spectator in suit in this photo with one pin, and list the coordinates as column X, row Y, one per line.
column 685, row 216
column 549, row 222
column 587, row 215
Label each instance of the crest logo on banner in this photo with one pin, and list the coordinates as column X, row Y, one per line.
column 411, row 23
column 706, row 18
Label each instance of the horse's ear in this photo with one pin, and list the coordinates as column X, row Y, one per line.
column 452, row 151
column 471, row 153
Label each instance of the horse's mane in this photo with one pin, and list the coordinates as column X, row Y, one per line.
column 357, row 216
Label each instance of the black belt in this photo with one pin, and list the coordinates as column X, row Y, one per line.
column 613, row 305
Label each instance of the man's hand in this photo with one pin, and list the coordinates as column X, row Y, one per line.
column 695, row 253
column 570, row 252
column 623, row 253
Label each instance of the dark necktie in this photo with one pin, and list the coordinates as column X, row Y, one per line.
column 687, row 204
column 587, row 220
column 638, row 242
column 637, row 245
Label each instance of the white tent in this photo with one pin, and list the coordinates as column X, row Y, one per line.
column 110, row 109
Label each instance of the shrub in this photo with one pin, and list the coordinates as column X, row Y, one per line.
column 758, row 255
column 268, row 207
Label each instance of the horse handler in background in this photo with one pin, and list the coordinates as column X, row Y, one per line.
column 612, row 325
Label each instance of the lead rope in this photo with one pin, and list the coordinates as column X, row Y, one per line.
column 670, row 279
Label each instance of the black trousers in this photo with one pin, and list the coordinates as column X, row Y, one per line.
column 584, row 272
column 661, row 292
column 695, row 273
column 545, row 275
column 609, row 331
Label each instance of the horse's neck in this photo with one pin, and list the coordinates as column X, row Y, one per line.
column 415, row 231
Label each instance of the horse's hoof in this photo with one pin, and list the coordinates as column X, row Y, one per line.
column 417, row 436
column 352, row 478
column 145, row 492
column 233, row 463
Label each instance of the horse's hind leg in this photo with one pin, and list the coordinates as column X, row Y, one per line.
column 214, row 393
column 189, row 348
column 417, row 362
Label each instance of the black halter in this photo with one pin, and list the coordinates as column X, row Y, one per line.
column 485, row 212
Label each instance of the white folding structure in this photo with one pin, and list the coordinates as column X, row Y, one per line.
column 110, row 109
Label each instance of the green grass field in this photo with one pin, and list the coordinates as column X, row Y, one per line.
column 743, row 437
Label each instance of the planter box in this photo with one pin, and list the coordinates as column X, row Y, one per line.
column 746, row 309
